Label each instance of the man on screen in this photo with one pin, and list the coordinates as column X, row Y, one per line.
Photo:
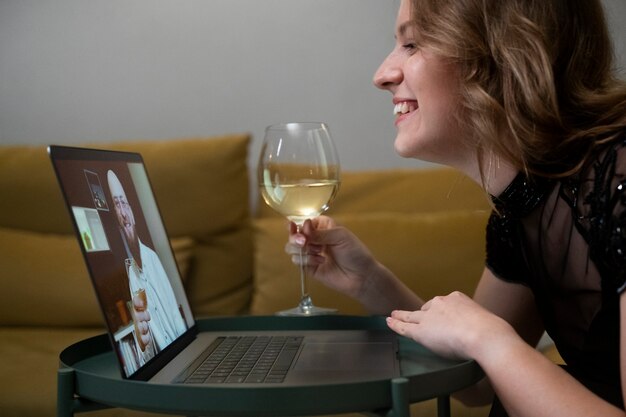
column 158, row 320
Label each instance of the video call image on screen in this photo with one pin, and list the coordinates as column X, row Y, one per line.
column 126, row 248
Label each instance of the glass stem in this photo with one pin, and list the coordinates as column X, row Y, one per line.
column 302, row 277
column 305, row 300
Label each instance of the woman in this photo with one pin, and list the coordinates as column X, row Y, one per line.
column 519, row 95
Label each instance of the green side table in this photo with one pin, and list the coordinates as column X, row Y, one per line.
column 89, row 379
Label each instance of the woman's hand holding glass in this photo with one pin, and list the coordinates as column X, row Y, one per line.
column 334, row 256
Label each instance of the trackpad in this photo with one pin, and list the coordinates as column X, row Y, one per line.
column 346, row 357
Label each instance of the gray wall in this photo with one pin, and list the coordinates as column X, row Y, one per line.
column 101, row 70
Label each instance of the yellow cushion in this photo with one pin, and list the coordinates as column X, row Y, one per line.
column 220, row 281
column 31, row 198
column 29, row 359
column 45, row 281
column 433, row 253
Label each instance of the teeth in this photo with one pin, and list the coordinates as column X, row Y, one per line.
column 403, row 108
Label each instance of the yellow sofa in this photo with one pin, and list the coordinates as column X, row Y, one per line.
column 426, row 225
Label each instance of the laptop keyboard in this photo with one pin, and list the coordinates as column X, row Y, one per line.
column 245, row 359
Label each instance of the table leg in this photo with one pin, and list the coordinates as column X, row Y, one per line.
column 65, row 392
column 443, row 406
column 400, row 397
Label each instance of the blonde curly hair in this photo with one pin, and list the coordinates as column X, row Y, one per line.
column 538, row 87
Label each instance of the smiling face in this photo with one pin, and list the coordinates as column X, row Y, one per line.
column 123, row 211
column 425, row 91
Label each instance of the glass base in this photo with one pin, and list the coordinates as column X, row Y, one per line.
column 306, row 308
column 311, row 311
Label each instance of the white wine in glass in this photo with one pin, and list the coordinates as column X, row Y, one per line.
column 298, row 175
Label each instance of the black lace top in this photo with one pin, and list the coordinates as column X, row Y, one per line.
column 566, row 241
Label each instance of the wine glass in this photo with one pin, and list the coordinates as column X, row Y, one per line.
column 298, row 175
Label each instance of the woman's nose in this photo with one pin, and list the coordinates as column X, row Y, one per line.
column 388, row 74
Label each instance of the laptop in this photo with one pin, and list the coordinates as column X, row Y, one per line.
column 147, row 314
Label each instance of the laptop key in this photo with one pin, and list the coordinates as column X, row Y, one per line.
column 215, row 380
column 284, row 360
column 274, row 379
column 235, row 379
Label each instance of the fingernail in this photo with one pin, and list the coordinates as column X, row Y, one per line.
column 300, row 240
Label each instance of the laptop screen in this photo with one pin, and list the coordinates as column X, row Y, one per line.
column 127, row 252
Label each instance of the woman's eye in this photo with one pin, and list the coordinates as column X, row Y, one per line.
column 409, row 46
